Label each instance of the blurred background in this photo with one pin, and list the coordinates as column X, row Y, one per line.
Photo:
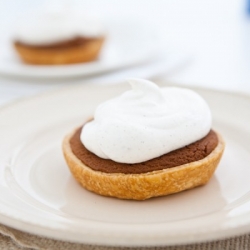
column 190, row 42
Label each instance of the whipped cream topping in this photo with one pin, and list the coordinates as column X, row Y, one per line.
column 146, row 122
column 50, row 26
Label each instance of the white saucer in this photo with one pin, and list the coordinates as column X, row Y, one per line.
column 38, row 193
column 127, row 44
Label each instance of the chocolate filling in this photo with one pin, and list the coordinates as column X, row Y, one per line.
column 190, row 153
column 77, row 41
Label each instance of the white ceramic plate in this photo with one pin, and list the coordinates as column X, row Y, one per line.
column 127, row 44
column 38, row 193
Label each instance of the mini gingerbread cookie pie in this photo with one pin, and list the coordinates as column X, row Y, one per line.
column 148, row 142
column 58, row 37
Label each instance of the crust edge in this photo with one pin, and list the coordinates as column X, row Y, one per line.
column 146, row 185
column 74, row 54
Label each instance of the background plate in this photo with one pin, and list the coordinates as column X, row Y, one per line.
column 127, row 44
column 38, row 193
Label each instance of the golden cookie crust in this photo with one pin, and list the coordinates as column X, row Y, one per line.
column 50, row 56
column 146, row 185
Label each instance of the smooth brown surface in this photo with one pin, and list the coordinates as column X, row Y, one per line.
column 190, row 153
column 77, row 41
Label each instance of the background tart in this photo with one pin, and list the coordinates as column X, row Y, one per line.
column 145, row 184
column 77, row 50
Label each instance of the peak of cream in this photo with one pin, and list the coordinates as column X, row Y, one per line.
column 50, row 26
column 146, row 122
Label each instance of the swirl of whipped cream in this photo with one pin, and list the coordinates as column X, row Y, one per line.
column 49, row 26
column 146, row 122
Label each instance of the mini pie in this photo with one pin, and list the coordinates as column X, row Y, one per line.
column 160, row 176
column 79, row 49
